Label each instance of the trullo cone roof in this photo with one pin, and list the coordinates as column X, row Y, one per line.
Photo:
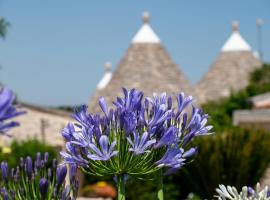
column 231, row 70
column 145, row 66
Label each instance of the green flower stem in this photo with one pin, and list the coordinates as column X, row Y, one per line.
column 121, row 188
column 160, row 193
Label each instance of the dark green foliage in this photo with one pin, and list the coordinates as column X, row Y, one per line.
column 67, row 108
column 141, row 189
column 27, row 148
column 237, row 157
column 3, row 27
column 259, row 81
column 145, row 190
column 221, row 111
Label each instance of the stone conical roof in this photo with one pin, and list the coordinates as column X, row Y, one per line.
column 146, row 66
column 231, row 70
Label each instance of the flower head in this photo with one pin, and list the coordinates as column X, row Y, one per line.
column 247, row 193
column 137, row 137
column 7, row 110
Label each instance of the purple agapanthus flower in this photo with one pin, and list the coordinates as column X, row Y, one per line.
column 140, row 145
column 61, row 173
column 72, row 156
column 7, row 110
column 107, row 151
column 168, row 137
column 175, row 158
column 136, row 136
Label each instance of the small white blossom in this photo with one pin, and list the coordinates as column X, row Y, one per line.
column 247, row 193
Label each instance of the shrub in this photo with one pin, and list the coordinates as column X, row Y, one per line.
column 27, row 148
column 147, row 189
column 259, row 80
column 237, row 157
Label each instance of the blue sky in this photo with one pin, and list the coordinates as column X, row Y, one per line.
column 55, row 50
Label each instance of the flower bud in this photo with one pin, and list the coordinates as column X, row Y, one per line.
column 21, row 162
column 46, row 157
column 38, row 161
column 4, row 170
column 49, row 173
column 61, row 173
column 29, row 167
column 4, row 193
column 169, row 102
column 42, row 163
column 12, row 172
column 43, row 187
column 54, row 163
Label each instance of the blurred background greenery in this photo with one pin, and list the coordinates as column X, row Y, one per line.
column 26, row 148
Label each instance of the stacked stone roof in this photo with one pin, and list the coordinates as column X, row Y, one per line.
column 231, row 70
column 146, row 66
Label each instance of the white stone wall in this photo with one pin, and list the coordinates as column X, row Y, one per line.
column 31, row 127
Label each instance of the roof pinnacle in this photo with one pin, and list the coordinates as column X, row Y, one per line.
column 236, row 42
column 235, row 26
column 146, row 33
column 146, row 17
column 106, row 77
column 108, row 66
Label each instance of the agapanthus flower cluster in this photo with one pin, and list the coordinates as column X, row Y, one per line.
column 247, row 193
column 137, row 137
column 7, row 110
column 38, row 179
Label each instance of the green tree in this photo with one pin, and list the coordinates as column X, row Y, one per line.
column 3, row 27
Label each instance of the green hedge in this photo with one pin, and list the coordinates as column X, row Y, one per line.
column 27, row 148
column 237, row 157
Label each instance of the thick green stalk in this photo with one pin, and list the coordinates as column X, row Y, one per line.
column 121, row 188
column 160, row 193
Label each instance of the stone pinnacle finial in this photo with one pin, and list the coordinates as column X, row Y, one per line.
column 146, row 17
column 259, row 22
column 235, row 26
column 108, row 66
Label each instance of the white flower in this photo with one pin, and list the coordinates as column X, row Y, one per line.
column 231, row 193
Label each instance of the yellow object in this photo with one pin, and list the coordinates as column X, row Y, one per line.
column 6, row 150
column 101, row 184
